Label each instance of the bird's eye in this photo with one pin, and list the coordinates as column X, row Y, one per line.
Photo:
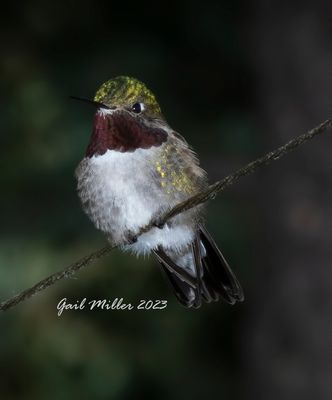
column 137, row 107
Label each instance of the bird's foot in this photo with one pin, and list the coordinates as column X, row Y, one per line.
column 160, row 224
column 131, row 237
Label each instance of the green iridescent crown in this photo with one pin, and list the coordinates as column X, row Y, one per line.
column 126, row 91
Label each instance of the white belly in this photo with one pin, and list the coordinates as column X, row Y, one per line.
column 120, row 193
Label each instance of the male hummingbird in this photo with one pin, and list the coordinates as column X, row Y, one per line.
column 136, row 167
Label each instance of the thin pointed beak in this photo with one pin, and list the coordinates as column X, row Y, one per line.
column 94, row 103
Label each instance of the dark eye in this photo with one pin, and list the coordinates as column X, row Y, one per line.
column 137, row 107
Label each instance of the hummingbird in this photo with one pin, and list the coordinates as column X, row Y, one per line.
column 136, row 168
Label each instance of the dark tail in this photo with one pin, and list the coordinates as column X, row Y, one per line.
column 210, row 278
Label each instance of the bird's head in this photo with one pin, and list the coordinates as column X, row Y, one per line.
column 128, row 118
column 129, row 94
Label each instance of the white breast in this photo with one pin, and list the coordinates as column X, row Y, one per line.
column 120, row 193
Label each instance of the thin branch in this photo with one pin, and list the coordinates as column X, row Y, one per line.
column 193, row 201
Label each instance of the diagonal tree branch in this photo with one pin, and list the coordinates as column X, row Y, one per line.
column 193, row 201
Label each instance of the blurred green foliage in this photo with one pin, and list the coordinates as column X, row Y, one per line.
column 194, row 59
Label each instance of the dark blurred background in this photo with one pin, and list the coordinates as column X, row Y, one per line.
column 236, row 79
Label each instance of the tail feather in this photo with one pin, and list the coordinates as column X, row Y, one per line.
column 183, row 292
column 210, row 276
column 183, row 283
column 222, row 278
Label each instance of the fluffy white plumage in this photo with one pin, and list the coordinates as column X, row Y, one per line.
column 120, row 193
